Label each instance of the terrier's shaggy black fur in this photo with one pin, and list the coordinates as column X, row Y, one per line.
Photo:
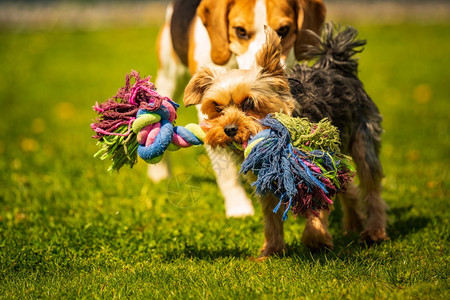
column 330, row 88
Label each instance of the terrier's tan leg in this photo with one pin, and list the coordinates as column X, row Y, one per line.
column 273, row 228
column 370, row 172
column 351, row 207
column 375, row 227
column 316, row 235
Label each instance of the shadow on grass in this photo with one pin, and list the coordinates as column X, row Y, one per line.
column 403, row 226
column 345, row 245
column 203, row 179
column 348, row 244
column 193, row 251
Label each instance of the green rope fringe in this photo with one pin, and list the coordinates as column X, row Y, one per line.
column 322, row 135
column 122, row 150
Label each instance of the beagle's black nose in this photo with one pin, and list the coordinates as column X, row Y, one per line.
column 231, row 130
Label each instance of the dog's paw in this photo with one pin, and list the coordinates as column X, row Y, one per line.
column 245, row 209
column 316, row 240
column 371, row 236
column 268, row 251
column 352, row 224
column 158, row 172
column 316, row 235
column 237, row 204
column 259, row 258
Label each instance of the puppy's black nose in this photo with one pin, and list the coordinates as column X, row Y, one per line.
column 231, row 130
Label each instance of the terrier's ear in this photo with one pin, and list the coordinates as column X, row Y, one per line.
column 197, row 86
column 269, row 57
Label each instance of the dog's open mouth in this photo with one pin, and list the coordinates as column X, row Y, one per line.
column 217, row 137
column 239, row 146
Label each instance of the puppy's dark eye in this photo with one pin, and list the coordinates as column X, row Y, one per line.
column 217, row 107
column 248, row 104
column 241, row 33
column 283, row 31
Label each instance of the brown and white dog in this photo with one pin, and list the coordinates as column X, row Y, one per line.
column 229, row 33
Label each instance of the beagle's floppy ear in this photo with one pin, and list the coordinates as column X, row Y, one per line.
column 269, row 57
column 311, row 15
column 214, row 15
column 197, row 86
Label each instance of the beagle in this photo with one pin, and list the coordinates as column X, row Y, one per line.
column 229, row 33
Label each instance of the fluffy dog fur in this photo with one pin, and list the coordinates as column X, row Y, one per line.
column 235, row 100
column 228, row 33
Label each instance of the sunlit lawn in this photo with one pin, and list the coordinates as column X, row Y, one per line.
column 69, row 229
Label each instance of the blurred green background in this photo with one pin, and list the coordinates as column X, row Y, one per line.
column 70, row 229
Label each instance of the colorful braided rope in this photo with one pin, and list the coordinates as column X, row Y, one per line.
column 295, row 160
column 139, row 121
column 156, row 134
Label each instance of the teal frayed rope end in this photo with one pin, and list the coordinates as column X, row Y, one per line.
column 297, row 161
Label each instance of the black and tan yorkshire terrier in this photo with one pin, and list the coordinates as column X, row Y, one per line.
column 235, row 100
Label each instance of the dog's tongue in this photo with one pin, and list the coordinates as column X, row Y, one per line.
column 244, row 145
column 238, row 146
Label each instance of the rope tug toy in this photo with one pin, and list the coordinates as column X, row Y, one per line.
column 299, row 162
column 296, row 160
column 137, row 120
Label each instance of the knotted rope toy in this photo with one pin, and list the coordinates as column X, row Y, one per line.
column 299, row 162
column 139, row 121
column 296, row 160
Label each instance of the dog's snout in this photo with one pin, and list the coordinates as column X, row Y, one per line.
column 231, row 130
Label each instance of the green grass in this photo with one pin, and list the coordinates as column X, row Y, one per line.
column 68, row 229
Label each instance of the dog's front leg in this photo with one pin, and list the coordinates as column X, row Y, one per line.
column 365, row 150
column 237, row 204
column 316, row 235
column 273, row 228
column 353, row 219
